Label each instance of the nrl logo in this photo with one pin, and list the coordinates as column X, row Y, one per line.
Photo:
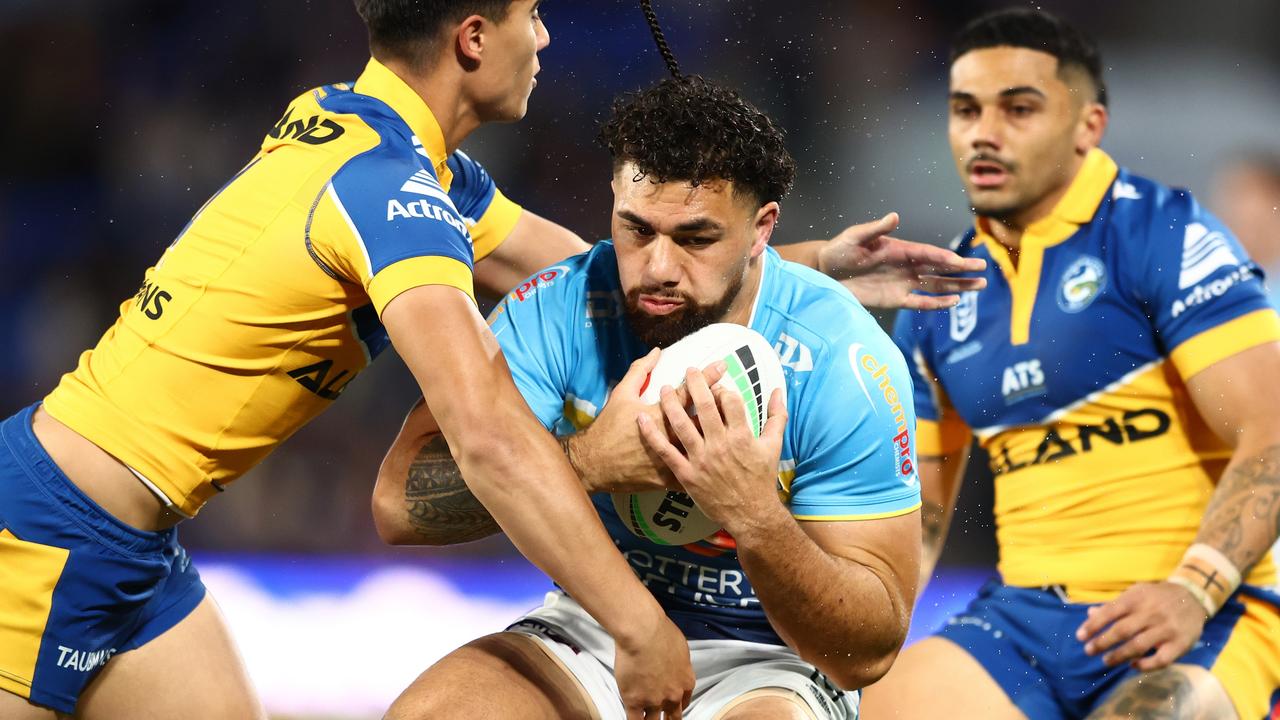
column 964, row 316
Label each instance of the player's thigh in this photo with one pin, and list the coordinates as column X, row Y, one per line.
column 767, row 704
column 1178, row 692
column 937, row 678
column 13, row 707
column 505, row 675
column 191, row 671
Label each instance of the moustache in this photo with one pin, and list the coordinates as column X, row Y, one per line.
column 1006, row 165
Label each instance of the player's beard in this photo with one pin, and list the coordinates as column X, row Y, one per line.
column 663, row 330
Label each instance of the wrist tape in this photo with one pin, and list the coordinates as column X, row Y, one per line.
column 1208, row 575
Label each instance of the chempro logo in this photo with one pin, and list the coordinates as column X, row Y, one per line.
column 540, row 281
column 886, row 395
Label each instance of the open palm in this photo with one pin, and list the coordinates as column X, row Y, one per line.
column 886, row 272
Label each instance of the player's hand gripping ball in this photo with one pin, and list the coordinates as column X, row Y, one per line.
column 752, row 370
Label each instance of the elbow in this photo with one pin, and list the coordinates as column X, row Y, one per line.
column 855, row 673
column 389, row 522
column 857, row 669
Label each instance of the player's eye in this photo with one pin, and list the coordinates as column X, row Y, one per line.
column 640, row 230
column 697, row 242
column 964, row 112
column 1021, row 110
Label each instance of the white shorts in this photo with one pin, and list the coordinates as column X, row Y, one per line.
column 725, row 669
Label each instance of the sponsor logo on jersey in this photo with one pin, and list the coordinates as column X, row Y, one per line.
column 1130, row 427
column 879, row 374
column 316, row 378
column 1083, row 282
column 1201, row 294
column 964, row 316
column 1022, row 380
column 417, row 146
column 711, row 585
column 964, row 352
column 150, row 299
column 312, row 131
column 1125, row 191
column 83, row 660
column 604, row 305
column 793, row 353
column 1203, row 251
column 541, row 281
column 427, row 210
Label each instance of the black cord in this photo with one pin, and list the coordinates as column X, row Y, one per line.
column 667, row 56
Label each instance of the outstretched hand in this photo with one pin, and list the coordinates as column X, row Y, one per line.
column 886, row 272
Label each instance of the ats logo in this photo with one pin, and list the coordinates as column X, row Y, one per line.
column 312, row 131
column 544, row 279
column 1022, row 380
column 865, row 362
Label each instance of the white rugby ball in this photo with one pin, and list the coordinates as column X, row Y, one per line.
column 753, row 371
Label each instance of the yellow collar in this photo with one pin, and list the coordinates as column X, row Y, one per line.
column 1076, row 207
column 380, row 82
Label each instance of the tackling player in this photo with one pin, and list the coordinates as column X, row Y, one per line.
column 355, row 226
column 805, row 594
column 1120, row 372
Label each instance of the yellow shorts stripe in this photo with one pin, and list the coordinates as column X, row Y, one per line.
column 28, row 574
column 1249, row 665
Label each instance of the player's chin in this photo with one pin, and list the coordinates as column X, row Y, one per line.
column 989, row 203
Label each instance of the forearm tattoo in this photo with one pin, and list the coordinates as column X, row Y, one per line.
column 441, row 507
column 1243, row 517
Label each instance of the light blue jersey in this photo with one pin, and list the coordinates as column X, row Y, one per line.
column 848, row 452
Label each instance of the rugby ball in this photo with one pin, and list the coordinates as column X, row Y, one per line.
column 752, row 370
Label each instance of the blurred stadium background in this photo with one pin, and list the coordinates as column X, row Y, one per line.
column 122, row 116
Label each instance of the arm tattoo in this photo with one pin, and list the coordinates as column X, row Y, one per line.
column 441, row 508
column 1243, row 517
column 933, row 517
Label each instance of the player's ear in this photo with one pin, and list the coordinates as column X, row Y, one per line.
column 765, row 220
column 1090, row 128
column 469, row 37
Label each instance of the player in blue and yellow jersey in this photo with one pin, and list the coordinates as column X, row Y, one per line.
column 807, row 588
column 355, row 226
column 1120, row 372
column 358, row 224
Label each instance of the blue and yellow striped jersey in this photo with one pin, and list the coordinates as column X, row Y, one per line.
column 1071, row 369
column 267, row 304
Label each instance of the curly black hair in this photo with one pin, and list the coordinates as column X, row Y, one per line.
column 691, row 129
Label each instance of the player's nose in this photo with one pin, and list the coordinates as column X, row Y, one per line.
column 662, row 264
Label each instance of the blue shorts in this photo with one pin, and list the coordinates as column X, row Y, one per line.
column 76, row 585
column 1025, row 639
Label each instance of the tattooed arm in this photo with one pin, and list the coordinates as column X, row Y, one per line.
column 420, row 497
column 940, row 477
column 1240, row 400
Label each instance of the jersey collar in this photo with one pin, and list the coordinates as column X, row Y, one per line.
column 1077, row 207
column 380, row 82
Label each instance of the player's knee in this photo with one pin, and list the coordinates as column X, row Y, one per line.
column 769, row 705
